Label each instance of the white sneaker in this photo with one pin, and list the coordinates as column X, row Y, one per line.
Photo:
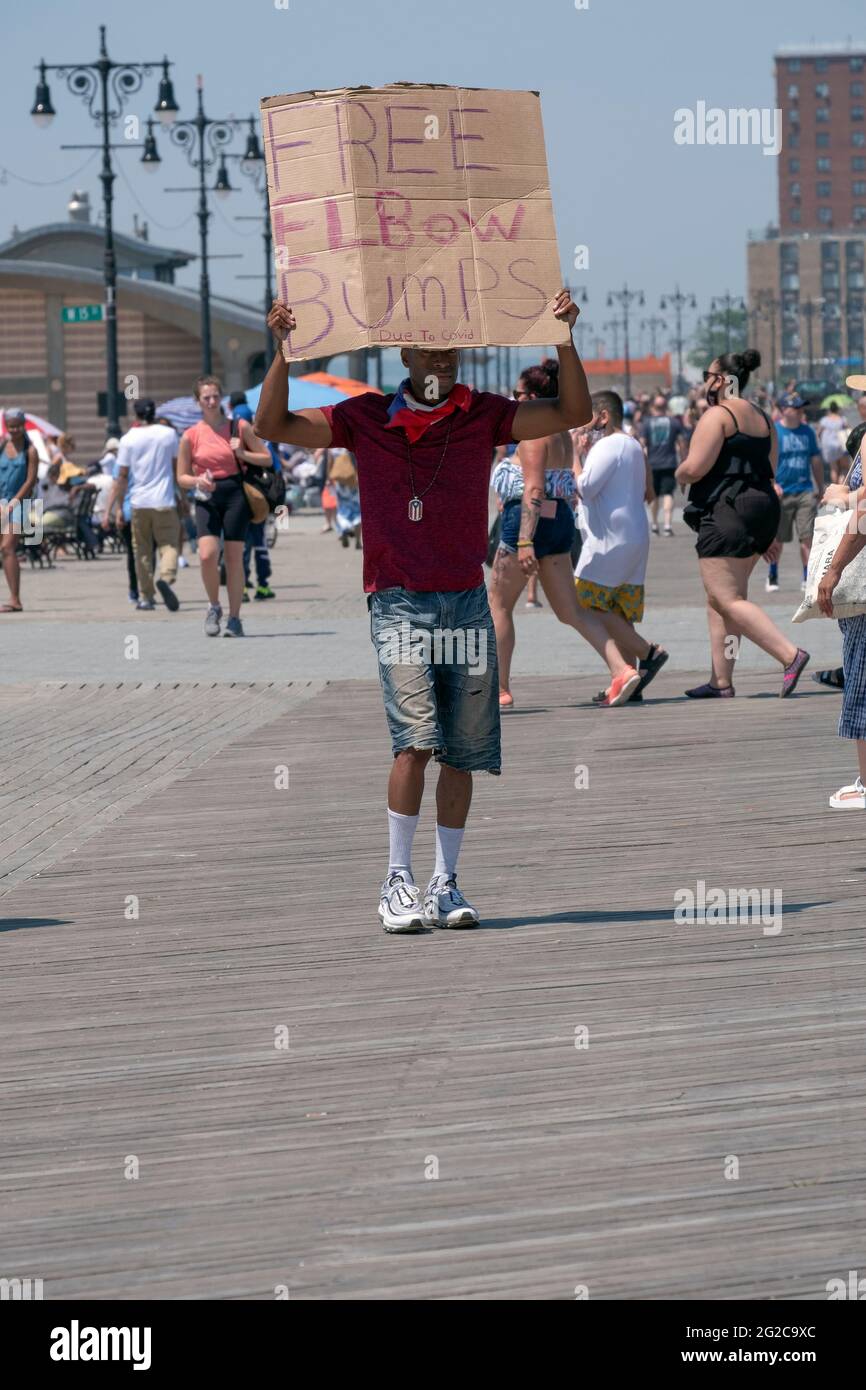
column 851, row 798
column 400, row 905
column 771, row 586
column 445, row 905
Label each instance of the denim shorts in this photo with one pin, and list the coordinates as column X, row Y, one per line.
column 553, row 535
column 439, row 676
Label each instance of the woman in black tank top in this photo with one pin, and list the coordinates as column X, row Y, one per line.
column 735, row 510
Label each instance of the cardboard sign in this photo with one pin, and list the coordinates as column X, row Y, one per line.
column 411, row 215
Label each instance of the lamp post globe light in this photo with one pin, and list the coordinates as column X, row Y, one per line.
column 105, row 86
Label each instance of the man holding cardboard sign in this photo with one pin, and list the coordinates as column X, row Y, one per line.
column 389, row 239
column 424, row 458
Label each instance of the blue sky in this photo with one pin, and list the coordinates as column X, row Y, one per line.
column 611, row 76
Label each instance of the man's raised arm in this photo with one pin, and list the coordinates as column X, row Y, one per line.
column 573, row 406
column 274, row 420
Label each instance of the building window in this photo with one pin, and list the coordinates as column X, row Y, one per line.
column 860, row 213
column 822, row 64
column 824, row 163
column 822, row 114
column 856, row 113
column 858, row 188
column 794, row 190
column 857, row 89
column 858, row 163
column 793, row 166
column 822, row 190
column 794, row 65
column 856, row 64
column 793, row 141
column 794, row 91
column 794, row 116
column 822, row 91
column 825, row 215
column 795, row 214
column 822, row 140
column 858, row 138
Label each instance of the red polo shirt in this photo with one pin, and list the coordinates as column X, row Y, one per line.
column 445, row 550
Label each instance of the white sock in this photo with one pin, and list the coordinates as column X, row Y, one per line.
column 448, row 844
column 401, row 833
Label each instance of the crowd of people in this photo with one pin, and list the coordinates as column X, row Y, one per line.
column 582, row 481
column 579, row 480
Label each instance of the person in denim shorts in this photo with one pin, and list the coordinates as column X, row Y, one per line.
column 424, row 456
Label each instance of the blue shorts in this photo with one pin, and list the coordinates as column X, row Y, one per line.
column 439, row 675
column 553, row 535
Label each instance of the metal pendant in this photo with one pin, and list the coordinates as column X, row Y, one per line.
column 416, row 509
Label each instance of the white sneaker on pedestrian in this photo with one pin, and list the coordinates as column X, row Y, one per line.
column 851, row 798
column 212, row 620
column 445, row 905
column 771, row 586
column 400, row 906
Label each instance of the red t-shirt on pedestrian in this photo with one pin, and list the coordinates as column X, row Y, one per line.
column 446, row 549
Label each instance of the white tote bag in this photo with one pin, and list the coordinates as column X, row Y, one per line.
column 849, row 597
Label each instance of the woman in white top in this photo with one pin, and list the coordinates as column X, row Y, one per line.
column 612, row 484
column 832, row 434
column 537, row 535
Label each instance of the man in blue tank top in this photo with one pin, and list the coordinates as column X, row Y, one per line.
column 799, row 482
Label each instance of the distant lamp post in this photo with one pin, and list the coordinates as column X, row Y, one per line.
column 204, row 140
column 729, row 302
column 808, row 310
column 625, row 298
column 765, row 310
column 252, row 166
column 104, row 86
column 654, row 324
column 678, row 301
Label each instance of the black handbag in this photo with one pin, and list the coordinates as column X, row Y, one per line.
column 270, row 482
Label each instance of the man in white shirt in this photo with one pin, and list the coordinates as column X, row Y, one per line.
column 146, row 468
column 613, row 482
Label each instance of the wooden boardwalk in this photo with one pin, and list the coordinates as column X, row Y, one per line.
column 152, row 1037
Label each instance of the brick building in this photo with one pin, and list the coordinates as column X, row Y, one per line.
column 821, row 92
column 806, row 274
column 57, row 368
